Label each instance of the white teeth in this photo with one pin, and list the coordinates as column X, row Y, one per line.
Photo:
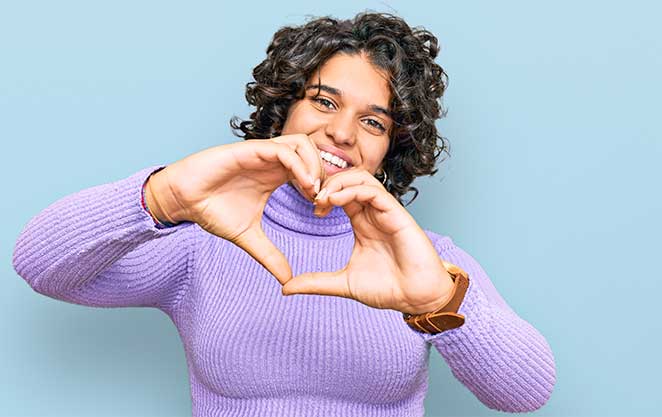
column 333, row 159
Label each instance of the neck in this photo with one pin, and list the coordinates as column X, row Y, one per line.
column 288, row 208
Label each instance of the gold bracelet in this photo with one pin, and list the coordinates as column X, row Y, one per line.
column 445, row 317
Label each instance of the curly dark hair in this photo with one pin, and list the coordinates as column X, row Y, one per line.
column 406, row 54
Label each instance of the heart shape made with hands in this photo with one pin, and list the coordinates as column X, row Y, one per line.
column 393, row 263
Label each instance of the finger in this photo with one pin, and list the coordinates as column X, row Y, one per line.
column 257, row 245
column 342, row 180
column 319, row 173
column 321, row 283
column 322, row 212
column 377, row 197
column 280, row 152
column 304, row 146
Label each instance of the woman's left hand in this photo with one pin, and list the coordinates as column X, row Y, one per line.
column 393, row 264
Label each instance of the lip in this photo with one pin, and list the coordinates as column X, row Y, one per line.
column 337, row 152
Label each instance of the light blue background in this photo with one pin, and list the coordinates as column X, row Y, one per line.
column 553, row 184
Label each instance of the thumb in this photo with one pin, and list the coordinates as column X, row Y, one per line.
column 322, row 283
column 258, row 245
column 322, row 212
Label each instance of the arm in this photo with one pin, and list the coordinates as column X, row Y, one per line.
column 99, row 247
column 497, row 355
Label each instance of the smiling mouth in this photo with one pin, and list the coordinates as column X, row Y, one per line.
column 333, row 160
column 327, row 163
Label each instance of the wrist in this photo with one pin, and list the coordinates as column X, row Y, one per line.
column 159, row 200
column 446, row 316
column 445, row 295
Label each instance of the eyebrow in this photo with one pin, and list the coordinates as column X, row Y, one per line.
column 337, row 92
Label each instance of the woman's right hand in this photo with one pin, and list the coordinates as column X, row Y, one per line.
column 224, row 190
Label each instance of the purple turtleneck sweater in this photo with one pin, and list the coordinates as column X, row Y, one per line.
column 254, row 352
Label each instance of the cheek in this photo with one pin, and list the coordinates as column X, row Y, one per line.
column 287, row 126
column 297, row 120
column 376, row 154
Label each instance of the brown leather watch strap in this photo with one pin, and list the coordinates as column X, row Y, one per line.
column 445, row 317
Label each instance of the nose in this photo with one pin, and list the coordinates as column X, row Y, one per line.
column 341, row 128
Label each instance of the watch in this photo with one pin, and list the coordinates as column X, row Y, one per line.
column 445, row 317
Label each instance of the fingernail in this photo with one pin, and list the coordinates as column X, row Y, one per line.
column 321, row 212
column 317, row 186
column 321, row 194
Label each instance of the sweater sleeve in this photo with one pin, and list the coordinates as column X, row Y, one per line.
column 502, row 359
column 99, row 247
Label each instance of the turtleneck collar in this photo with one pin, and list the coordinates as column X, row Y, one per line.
column 289, row 209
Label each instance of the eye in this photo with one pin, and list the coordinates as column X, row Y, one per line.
column 378, row 125
column 324, row 102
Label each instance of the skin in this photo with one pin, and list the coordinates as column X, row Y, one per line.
column 346, row 121
column 223, row 189
column 393, row 264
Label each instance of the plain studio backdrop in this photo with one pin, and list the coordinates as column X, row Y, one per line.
column 553, row 183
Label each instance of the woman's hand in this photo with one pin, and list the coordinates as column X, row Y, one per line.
column 224, row 189
column 393, row 265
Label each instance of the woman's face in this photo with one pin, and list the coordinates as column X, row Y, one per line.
column 349, row 118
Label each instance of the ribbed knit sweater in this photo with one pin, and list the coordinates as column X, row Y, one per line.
column 252, row 351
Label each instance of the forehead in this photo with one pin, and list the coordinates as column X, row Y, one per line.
column 358, row 79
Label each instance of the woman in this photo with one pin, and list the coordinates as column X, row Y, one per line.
column 344, row 123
